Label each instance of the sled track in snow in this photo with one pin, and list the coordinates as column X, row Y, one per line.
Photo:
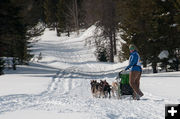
column 64, row 93
column 61, row 84
column 69, row 91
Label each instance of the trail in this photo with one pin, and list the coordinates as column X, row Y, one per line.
column 69, row 90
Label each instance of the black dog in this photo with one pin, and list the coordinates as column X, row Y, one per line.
column 106, row 89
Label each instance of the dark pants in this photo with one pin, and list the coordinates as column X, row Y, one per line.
column 134, row 80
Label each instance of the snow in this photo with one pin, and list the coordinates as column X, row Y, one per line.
column 173, row 25
column 32, row 79
column 58, row 86
column 163, row 84
column 163, row 54
column 32, row 114
column 22, row 85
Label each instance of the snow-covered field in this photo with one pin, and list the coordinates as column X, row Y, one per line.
column 58, row 86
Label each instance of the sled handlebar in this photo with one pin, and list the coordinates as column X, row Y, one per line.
column 119, row 74
column 121, row 71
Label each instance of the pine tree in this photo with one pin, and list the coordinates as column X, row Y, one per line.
column 10, row 27
column 61, row 17
column 2, row 66
column 105, row 18
column 149, row 22
column 101, row 54
column 16, row 31
column 50, row 9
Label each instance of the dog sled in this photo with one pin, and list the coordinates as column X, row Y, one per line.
column 124, row 88
column 119, row 89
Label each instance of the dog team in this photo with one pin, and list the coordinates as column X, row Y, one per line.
column 103, row 89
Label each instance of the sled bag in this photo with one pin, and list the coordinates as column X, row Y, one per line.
column 124, row 85
column 124, row 78
column 126, row 89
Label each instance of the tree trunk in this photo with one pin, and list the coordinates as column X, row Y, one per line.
column 144, row 63
column 68, row 31
column 114, row 39
column 154, row 66
column 58, row 32
column 75, row 16
column 111, row 47
column 14, row 64
column 177, row 64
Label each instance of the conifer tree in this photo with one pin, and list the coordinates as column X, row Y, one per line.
column 50, row 9
column 62, row 18
column 149, row 22
column 1, row 66
column 17, row 30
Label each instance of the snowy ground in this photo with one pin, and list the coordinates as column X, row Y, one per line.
column 58, row 86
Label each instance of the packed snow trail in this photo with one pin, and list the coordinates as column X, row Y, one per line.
column 68, row 94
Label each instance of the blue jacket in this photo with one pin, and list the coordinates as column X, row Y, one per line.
column 134, row 62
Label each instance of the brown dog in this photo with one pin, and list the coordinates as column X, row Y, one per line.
column 96, row 89
column 115, row 90
column 93, row 87
column 100, row 89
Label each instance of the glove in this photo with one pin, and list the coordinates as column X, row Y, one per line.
column 126, row 68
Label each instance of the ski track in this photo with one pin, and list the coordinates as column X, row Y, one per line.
column 69, row 91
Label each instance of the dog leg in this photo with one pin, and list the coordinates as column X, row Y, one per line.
column 112, row 92
column 109, row 94
column 118, row 94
